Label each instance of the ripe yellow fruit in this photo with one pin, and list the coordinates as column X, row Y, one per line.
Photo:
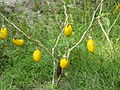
column 3, row 33
column 63, row 63
column 68, row 30
column 37, row 55
column 18, row 42
column 117, row 8
column 91, row 45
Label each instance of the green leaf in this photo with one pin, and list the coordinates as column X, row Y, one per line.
column 71, row 6
column 1, row 41
column 66, row 74
column 106, row 21
column 61, row 44
column 104, row 14
column 67, row 1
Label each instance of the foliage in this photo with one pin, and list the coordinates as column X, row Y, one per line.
column 100, row 70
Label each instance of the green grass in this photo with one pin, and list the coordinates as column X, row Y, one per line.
column 86, row 71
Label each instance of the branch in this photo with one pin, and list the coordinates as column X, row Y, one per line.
column 66, row 20
column 36, row 41
column 101, row 8
column 105, row 33
column 113, row 24
column 53, row 79
column 65, row 12
column 93, row 17
column 103, row 28
column 58, row 38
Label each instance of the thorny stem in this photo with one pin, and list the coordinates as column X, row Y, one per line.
column 101, row 8
column 36, row 41
column 81, row 39
column 98, row 18
column 53, row 79
column 52, row 54
column 65, row 12
column 69, row 50
column 66, row 21
column 105, row 33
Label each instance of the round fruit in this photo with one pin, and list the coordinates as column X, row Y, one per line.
column 18, row 42
column 91, row 45
column 3, row 33
column 37, row 55
column 63, row 63
column 68, row 30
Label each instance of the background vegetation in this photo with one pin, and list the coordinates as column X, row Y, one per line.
column 44, row 22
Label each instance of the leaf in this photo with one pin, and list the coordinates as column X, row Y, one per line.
column 66, row 74
column 71, row 6
column 1, row 41
column 104, row 14
column 61, row 44
column 106, row 21
column 67, row 1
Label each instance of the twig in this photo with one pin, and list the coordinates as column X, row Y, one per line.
column 113, row 24
column 53, row 79
column 36, row 41
column 69, row 50
column 105, row 33
column 58, row 38
column 81, row 39
column 65, row 12
column 101, row 8
column 98, row 18
column 65, row 23
column 56, row 43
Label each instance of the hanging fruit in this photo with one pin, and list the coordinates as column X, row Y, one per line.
column 68, row 30
column 63, row 63
column 18, row 42
column 116, row 8
column 37, row 55
column 91, row 45
column 3, row 33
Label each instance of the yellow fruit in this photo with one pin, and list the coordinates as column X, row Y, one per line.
column 117, row 8
column 63, row 63
column 68, row 30
column 37, row 55
column 18, row 42
column 91, row 45
column 3, row 33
